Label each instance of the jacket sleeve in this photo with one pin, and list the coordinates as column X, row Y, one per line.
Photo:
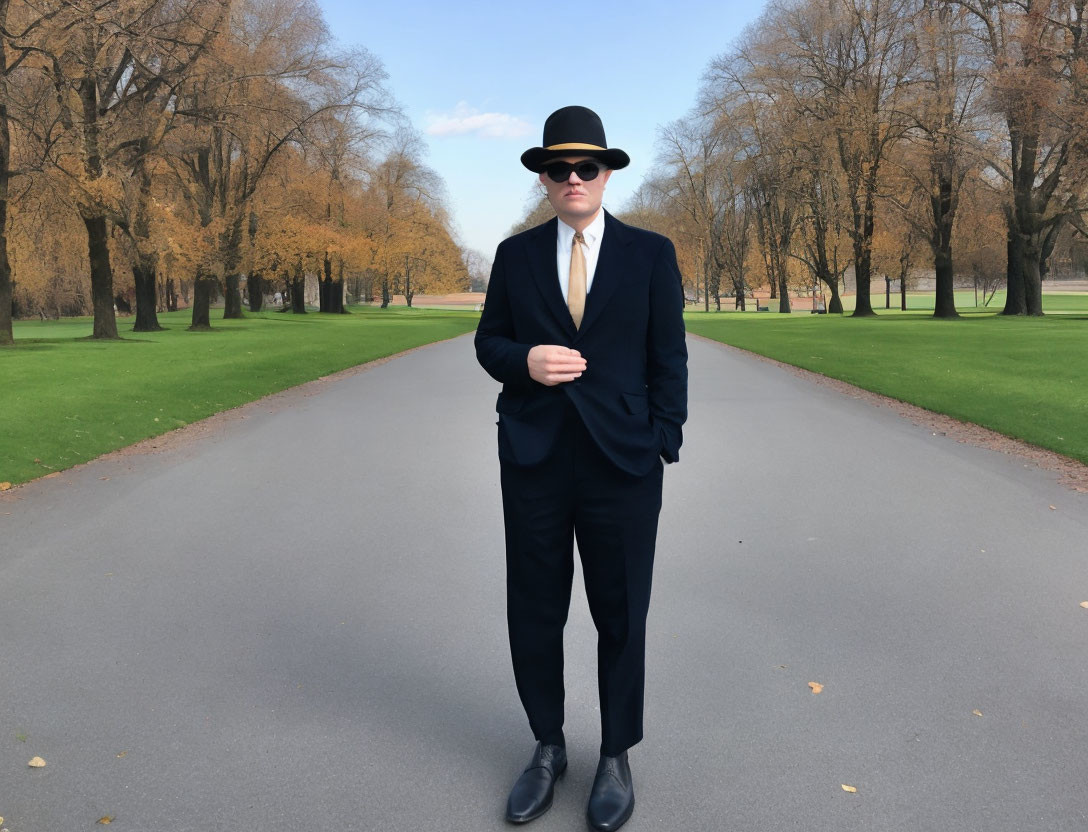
column 667, row 353
column 497, row 348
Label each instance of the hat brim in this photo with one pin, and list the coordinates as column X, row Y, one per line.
column 535, row 158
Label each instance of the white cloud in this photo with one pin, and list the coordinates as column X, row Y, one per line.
column 465, row 119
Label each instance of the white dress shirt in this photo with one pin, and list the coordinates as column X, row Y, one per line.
column 592, row 250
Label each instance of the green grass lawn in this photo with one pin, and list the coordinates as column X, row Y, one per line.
column 1024, row 377
column 66, row 399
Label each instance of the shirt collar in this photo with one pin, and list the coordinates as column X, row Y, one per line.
column 593, row 232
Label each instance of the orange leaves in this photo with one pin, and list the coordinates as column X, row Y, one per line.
column 816, row 687
column 36, row 762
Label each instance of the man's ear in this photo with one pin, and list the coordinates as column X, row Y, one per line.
column 607, row 172
column 543, row 179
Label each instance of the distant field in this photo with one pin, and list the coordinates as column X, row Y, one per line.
column 66, row 399
column 1053, row 303
column 1023, row 377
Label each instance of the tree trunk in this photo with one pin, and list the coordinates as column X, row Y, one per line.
column 105, row 322
column 298, row 294
column 1033, row 281
column 834, row 306
column 171, row 296
column 863, row 305
column 6, row 306
column 6, row 288
column 324, row 286
column 143, row 276
column 945, row 304
column 255, row 286
column 783, row 294
column 1015, row 299
column 385, row 293
column 202, row 302
column 338, row 290
column 232, row 298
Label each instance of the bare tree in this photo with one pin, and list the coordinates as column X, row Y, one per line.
column 1037, row 52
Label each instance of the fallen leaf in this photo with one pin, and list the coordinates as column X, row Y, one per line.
column 122, row 754
column 37, row 762
column 1052, row 508
column 105, row 819
column 816, row 687
column 977, row 712
column 1084, row 604
column 103, row 478
column 783, row 667
column 851, row 789
column 4, row 486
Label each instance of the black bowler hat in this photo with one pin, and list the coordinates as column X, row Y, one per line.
column 574, row 131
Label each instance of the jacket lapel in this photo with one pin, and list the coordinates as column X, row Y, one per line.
column 611, row 266
column 542, row 265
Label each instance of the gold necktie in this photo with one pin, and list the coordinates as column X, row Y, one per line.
column 576, row 288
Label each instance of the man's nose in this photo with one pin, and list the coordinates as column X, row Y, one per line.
column 573, row 179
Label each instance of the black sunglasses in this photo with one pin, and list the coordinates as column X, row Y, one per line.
column 560, row 171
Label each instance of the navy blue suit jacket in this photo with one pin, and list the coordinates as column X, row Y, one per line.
column 632, row 396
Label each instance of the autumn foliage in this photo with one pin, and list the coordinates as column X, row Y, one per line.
column 157, row 153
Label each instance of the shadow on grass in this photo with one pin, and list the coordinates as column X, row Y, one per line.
column 90, row 339
column 36, row 344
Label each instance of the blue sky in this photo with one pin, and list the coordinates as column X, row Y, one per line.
column 478, row 80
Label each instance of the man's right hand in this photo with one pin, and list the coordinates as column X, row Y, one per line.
column 551, row 364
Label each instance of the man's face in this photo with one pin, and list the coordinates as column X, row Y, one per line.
column 574, row 200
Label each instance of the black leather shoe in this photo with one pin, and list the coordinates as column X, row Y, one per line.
column 531, row 796
column 613, row 796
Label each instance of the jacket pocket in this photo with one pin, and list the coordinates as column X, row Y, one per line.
column 509, row 404
column 636, row 402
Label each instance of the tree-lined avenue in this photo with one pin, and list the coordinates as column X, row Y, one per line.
column 312, row 634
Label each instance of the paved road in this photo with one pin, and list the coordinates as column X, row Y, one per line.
column 297, row 623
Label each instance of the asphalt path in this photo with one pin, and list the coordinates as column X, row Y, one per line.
column 296, row 622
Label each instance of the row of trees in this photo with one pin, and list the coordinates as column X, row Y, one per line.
column 850, row 134
column 191, row 145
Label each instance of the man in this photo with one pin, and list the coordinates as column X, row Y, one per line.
column 583, row 325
